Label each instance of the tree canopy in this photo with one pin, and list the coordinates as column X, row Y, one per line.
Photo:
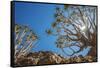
column 75, row 26
column 25, row 40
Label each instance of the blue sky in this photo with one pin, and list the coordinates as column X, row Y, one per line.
column 39, row 18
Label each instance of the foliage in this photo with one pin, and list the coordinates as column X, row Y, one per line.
column 76, row 24
column 25, row 40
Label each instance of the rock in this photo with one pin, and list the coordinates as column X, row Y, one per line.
column 47, row 57
column 88, row 58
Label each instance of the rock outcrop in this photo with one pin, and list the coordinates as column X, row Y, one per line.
column 47, row 58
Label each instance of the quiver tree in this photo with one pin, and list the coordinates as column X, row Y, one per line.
column 25, row 40
column 75, row 26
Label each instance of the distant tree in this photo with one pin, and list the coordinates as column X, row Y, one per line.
column 75, row 26
column 25, row 40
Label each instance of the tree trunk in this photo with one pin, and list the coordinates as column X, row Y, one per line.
column 93, row 52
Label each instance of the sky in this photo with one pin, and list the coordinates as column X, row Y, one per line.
column 39, row 17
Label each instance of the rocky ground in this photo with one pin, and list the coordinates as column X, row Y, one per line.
column 47, row 58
